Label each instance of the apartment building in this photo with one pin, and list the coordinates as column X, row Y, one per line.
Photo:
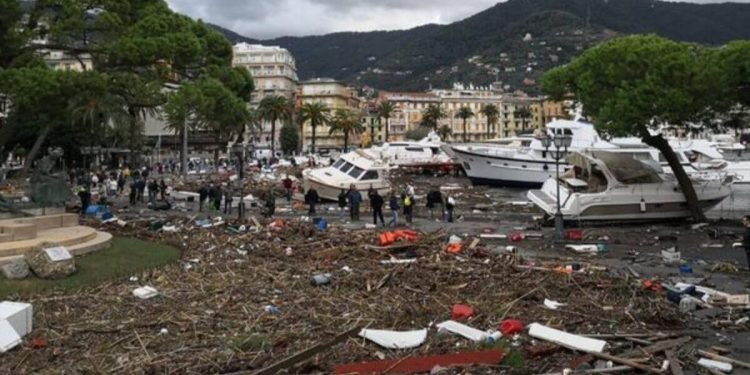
column 274, row 71
column 336, row 96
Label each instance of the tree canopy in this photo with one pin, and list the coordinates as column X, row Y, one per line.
column 133, row 49
column 631, row 85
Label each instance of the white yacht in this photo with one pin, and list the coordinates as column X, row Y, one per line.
column 354, row 168
column 523, row 161
column 606, row 185
column 425, row 153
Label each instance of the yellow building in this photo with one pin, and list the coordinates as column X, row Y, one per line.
column 336, row 96
column 407, row 114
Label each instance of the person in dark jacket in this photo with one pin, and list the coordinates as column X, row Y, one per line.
column 217, row 198
column 163, row 189
column 355, row 199
column 393, row 204
column 202, row 196
column 434, row 199
column 376, row 202
column 311, row 198
column 85, row 196
column 228, row 200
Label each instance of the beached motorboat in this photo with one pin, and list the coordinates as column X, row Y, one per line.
column 425, row 153
column 525, row 162
column 604, row 185
column 356, row 168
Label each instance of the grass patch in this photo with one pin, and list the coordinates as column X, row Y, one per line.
column 125, row 257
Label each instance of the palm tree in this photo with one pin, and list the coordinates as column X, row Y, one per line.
column 523, row 113
column 318, row 114
column 385, row 110
column 445, row 132
column 465, row 113
column 432, row 115
column 98, row 110
column 273, row 108
column 346, row 122
column 492, row 114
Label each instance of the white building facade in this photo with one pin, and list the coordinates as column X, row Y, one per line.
column 274, row 71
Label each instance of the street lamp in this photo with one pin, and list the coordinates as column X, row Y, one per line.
column 239, row 151
column 561, row 144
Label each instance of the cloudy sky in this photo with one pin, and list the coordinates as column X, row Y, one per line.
column 265, row 19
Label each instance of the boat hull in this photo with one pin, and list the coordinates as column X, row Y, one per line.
column 499, row 171
column 330, row 192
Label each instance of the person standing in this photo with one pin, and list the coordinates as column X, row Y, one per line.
column 408, row 208
column 450, row 204
column 85, row 196
column 370, row 194
column 434, row 199
column 288, row 187
column 153, row 189
column 376, row 202
column 121, row 183
column 270, row 202
column 163, row 189
column 228, row 199
column 217, row 198
column 133, row 192
column 311, row 198
column 342, row 201
column 393, row 204
column 355, row 199
column 202, row 196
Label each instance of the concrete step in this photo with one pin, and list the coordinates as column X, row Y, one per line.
column 99, row 241
column 62, row 236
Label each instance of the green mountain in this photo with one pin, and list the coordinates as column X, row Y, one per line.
column 513, row 42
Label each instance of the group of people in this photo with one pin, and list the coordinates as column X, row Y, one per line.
column 215, row 194
column 396, row 203
column 100, row 186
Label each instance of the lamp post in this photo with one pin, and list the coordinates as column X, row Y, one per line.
column 561, row 144
column 239, row 150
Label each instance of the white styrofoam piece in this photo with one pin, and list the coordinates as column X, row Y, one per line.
column 19, row 315
column 9, row 338
column 552, row 305
column 145, row 292
column 566, row 339
column 470, row 333
column 582, row 248
column 58, row 253
column 395, row 339
column 493, row 236
column 715, row 365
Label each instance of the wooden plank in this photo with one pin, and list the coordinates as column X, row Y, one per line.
column 657, row 347
column 674, row 365
column 627, row 362
column 304, row 355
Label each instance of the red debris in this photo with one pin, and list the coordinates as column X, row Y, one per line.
column 461, row 312
column 422, row 364
column 574, row 234
column 516, row 236
column 511, row 327
column 38, row 343
column 653, row 286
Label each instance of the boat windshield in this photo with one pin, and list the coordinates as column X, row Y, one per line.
column 623, row 167
column 355, row 172
column 346, row 167
column 370, row 175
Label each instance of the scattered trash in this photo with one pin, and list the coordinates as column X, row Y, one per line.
column 163, row 332
column 461, row 312
column 671, row 256
column 395, row 339
column 574, row 234
column 145, row 292
column 565, row 339
column 584, row 249
column 422, row 364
